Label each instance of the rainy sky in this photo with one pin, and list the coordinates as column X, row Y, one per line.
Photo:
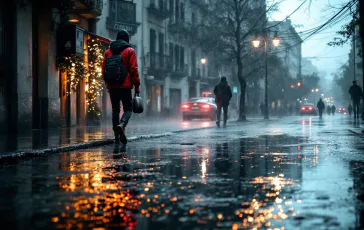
column 327, row 59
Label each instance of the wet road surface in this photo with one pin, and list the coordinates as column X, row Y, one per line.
column 295, row 173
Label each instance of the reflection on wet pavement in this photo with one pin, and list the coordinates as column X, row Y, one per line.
column 270, row 181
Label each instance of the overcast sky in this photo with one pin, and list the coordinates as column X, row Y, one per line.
column 329, row 59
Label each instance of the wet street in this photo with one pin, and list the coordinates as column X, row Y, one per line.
column 290, row 173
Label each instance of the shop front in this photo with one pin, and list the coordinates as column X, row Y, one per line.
column 82, row 92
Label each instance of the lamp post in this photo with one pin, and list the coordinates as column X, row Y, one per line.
column 256, row 42
column 314, row 91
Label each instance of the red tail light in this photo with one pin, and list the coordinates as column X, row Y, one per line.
column 310, row 108
column 206, row 106
column 303, row 108
column 185, row 107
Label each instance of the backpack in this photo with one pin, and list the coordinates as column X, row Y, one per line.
column 114, row 70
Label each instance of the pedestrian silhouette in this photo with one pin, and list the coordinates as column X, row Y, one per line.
column 320, row 107
column 223, row 96
column 350, row 109
column 356, row 93
column 333, row 109
column 328, row 109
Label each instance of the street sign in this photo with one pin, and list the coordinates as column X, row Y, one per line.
column 235, row 89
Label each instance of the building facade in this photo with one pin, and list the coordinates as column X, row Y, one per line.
column 290, row 48
column 162, row 32
column 34, row 92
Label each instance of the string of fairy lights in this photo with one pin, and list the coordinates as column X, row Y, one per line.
column 94, row 75
column 77, row 70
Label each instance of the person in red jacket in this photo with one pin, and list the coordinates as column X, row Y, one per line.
column 123, row 92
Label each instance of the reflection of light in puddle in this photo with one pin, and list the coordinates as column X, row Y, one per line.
column 203, row 169
column 185, row 124
column 205, row 124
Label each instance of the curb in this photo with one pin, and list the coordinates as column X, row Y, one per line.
column 13, row 156
column 356, row 133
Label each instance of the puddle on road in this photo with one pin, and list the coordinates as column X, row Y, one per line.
column 247, row 183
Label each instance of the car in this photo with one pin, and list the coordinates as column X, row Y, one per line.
column 308, row 108
column 341, row 110
column 199, row 107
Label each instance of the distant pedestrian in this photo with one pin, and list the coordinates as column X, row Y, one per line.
column 350, row 109
column 356, row 94
column 223, row 96
column 333, row 109
column 261, row 108
column 120, row 70
column 328, row 109
column 320, row 107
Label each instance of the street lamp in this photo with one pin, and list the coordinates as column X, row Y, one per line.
column 203, row 61
column 256, row 42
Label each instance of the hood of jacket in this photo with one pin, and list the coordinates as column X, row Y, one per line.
column 223, row 83
column 118, row 46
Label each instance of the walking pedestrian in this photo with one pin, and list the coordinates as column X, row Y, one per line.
column 120, row 70
column 333, row 109
column 261, row 108
column 320, row 107
column 328, row 109
column 356, row 93
column 350, row 109
column 223, row 96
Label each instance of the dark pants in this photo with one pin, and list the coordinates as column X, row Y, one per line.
column 219, row 108
column 320, row 112
column 125, row 97
column 356, row 106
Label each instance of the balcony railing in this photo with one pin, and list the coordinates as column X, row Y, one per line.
column 180, row 26
column 89, row 8
column 179, row 71
column 161, row 11
column 158, row 63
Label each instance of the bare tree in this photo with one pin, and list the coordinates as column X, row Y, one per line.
column 228, row 28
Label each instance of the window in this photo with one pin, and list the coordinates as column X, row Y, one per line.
column 177, row 11
column 182, row 12
column 161, row 49
column 176, row 57
column 182, row 57
column 153, row 41
column 171, row 6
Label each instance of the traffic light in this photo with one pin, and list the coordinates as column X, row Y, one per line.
column 299, row 84
column 292, row 86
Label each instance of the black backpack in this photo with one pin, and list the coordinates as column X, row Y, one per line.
column 114, row 70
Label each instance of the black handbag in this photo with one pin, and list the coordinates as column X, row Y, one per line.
column 137, row 104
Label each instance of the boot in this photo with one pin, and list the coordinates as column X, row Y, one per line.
column 224, row 125
column 117, row 136
column 218, row 124
column 121, row 130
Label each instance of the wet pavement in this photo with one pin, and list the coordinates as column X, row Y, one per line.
column 293, row 173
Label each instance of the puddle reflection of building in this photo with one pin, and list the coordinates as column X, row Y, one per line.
column 222, row 160
column 356, row 168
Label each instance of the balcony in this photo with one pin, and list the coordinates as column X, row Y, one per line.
column 158, row 64
column 161, row 11
column 180, row 26
column 195, row 73
column 179, row 71
column 89, row 8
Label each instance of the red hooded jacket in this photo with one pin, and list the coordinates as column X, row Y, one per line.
column 130, row 62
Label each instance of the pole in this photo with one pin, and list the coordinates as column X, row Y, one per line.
column 361, row 31
column 354, row 53
column 266, row 115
